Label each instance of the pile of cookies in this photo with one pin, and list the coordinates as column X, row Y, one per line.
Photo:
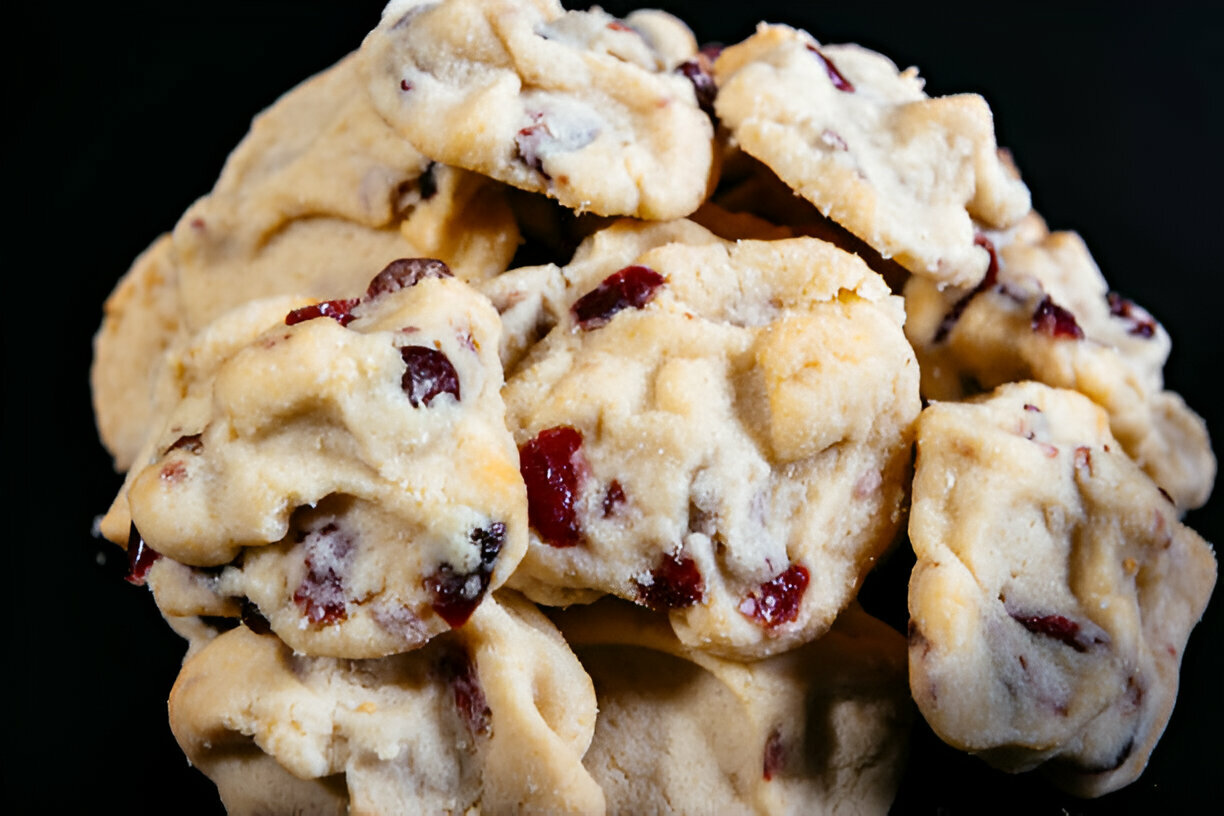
column 515, row 422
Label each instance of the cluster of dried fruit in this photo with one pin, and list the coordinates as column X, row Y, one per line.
column 603, row 454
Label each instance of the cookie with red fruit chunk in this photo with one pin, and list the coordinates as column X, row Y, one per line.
column 716, row 429
column 1044, row 312
column 492, row 718
column 593, row 111
column 819, row 729
column 1054, row 590
column 348, row 472
column 322, row 190
column 907, row 174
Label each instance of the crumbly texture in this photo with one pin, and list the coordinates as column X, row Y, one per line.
column 749, row 423
column 820, row 729
column 575, row 104
column 1054, row 590
column 493, row 718
column 356, row 482
column 907, row 174
column 1047, row 314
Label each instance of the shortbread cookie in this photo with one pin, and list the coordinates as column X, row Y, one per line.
column 140, row 323
column 493, row 718
column 321, row 191
column 1055, row 588
column 575, row 104
column 1044, row 312
column 907, row 174
column 350, row 473
column 820, row 729
column 719, row 430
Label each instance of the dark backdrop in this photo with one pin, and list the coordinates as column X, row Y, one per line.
column 123, row 114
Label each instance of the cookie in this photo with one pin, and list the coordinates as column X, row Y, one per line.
column 349, row 473
column 493, row 718
column 1044, row 312
column 140, row 323
column 717, row 429
column 1054, row 591
column 578, row 105
column 907, row 174
column 820, row 729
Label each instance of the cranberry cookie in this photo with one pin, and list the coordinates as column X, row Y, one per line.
column 721, row 430
column 350, row 473
column 575, row 104
column 1054, row 590
column 493, row 718
column 1044, row 312
column 907, row 174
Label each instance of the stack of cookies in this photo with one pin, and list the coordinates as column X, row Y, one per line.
column 514, row 425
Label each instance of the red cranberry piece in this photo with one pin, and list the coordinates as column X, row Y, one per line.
column 254, row 619
column 632, row 286
column 455, row 595
column 675, row 584
column 990, row 279
column 429, row 373
column 778, row 599
column 613, row 499
column 775, row 754
column 835, row 76
column 1055, row 626
column 321, row 593
column 1055, row 321
column 617, row 25
column 405, row 272
column 698, row 71
column 456, row 668
column 1142, row 324
column 529, row 141
column 553, row 470
column 141, row 557
column 405, row 85
column 340, row 311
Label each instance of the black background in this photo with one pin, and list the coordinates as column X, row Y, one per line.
column 123, row 114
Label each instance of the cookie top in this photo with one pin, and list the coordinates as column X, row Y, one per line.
column 717, row 429
column 578, row 105
column 349, row 472
column 1044, row 312
column 1054, row 590
column 907, row 174
column 495, row 716
column 820, row 729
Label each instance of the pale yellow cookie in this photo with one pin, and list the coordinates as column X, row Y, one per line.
column 907, row 174
column 1055, row 588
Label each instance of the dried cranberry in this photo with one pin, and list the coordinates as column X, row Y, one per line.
column 553, row 470
column 617, row 25
column 1051, row 319
column 1142, row 324
column 775, row 754
column 340, row 311
column 321, row 593
column 778, row 599
column 613, row 499
column 989, row 280
column 675, row 584
column 839, row 81
column 529, row 141
column 1055, row 626
column 141, row 557
column 405, row 272
column 455, row 595
column 405, row 85
column 698, row 71
column 254, row 619
column 632, row 286
column 457, row 669
column 429, row 373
